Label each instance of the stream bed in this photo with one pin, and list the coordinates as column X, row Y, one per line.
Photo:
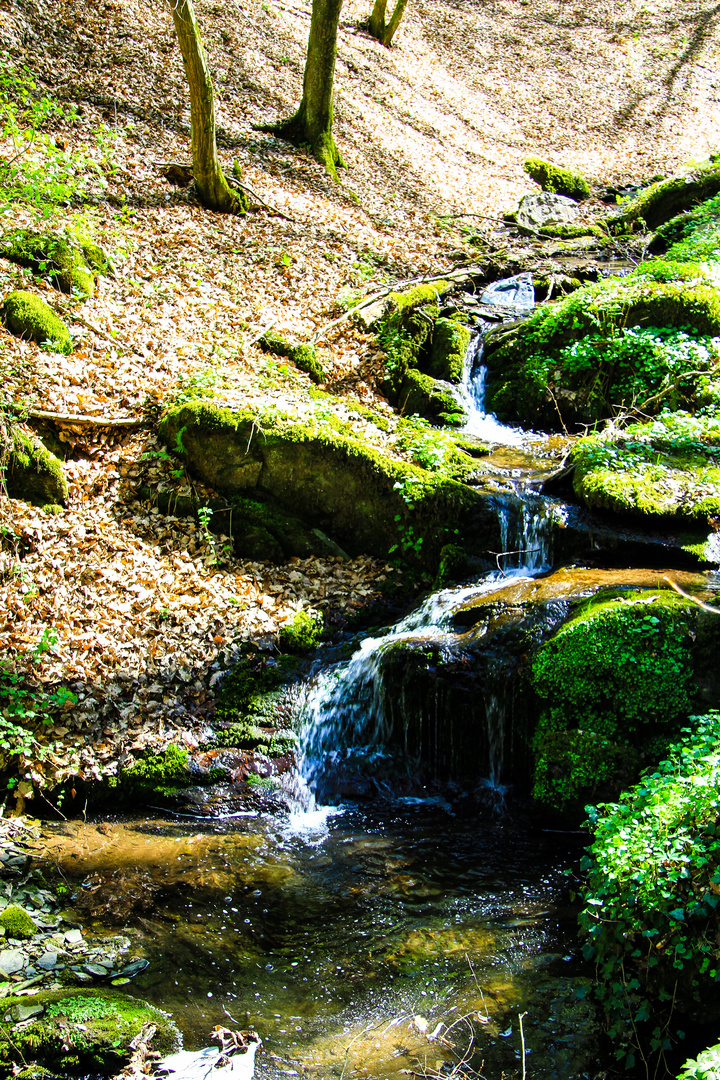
column 359, row 941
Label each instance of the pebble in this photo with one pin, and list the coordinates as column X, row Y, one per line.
column 11, row 960
column 26, row 1012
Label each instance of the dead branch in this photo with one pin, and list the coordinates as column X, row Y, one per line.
column 129, row 422
column 693, row 599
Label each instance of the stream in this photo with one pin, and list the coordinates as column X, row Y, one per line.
column 403, row 934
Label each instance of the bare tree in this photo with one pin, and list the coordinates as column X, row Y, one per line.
column 311, row 125
column 382, row 31
column 214, row 191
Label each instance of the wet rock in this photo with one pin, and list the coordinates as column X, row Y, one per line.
column 27, row 1012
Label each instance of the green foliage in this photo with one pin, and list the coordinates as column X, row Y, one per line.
column 556, row 179
column 429, row 447
column 650, row 919
column 40, row 170
column 571, row 766
column 78, row 1010
column 695, row 236
column 303, row 356
column 303, row 632
column 705, row 1067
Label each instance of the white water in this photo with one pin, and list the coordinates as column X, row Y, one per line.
column 471, row 395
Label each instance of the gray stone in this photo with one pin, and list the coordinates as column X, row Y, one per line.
column 545, row 208
column 96, row 969
column 26, row 1012
column 514, row 295
column 11, row 960
column 47, row 961
column 74, row 937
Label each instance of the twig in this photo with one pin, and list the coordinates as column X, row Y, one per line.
column 693, row 600
column 87, row 421
column 100, row 333
column 522, row 1042
column 234, row 182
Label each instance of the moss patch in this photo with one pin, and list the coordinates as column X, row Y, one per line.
column 33, row 473
column 425, row 396
column 620, row 673
column 663, row 200
column 303, row 356
column 17, row 923
column 254, row 704
column 450, row 342
column 165, row 774
column 666, row 468
column 302, row 633
column 556, row 179
column 70, row 266
column 81, row 1031
column 27, row 316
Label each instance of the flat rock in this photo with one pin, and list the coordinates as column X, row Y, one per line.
column 47, row 961
column 545, row 208
column 26, row 1012
column 11, row 960
column 74, row 937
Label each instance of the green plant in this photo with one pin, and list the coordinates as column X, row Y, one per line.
column 303, row 632
column 80, row 1009
column 201, row 384
column 705, row 1067
column 651, row 896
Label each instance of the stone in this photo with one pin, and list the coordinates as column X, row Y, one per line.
column 11, row 961
column 96, row 969
column 27, row 1012
column 545, row 208
column 47, row 961
column 514, row 295
column 74, row 937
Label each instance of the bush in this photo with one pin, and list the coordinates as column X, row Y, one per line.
column 651, row 896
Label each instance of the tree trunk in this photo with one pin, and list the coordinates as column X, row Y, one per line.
column 382, row 32
column 214, row 191
column 312, row 124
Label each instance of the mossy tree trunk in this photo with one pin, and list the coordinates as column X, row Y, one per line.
column 214, row 190
column 312, row 123
column 382, row 31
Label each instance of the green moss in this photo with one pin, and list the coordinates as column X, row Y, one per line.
column 303, row 356
column 82, row 1031
column 254, row 704
column 453, row 564
column 620, row 671
column 667, row 467
column 576, row 767
column 68, row 265
column 418, row 296
column 27, row 316
column 17, row 923
column 556, row 179
column 529, row 377
column 302, row 633
column 34, row 474
column 663, row 200
column 165, row 774
column 450, row 342
column 425, row 396
column 361, row 497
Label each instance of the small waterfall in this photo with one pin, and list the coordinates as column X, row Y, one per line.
column 347, row 724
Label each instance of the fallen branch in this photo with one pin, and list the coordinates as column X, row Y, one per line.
column 234, row 182
column 693, row 599
column 130, row 422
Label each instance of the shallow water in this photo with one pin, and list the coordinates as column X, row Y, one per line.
column 329, row 933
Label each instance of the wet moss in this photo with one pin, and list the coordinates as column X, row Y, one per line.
column 68, row 265
column 424, row 396
column 33, row 473
column 81, row 1031
column 165, row 774
column 576, row 767
column 663, row 200
column 254, row 704
column 16, row 922
column 27, row 316
column 557, row 179
column 303, row 633
column 453, row 564
column 450, row 342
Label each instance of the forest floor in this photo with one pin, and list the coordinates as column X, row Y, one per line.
column 141, row 611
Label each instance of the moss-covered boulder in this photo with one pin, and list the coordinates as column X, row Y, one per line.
column 77, row 1032
column 422, row 395
column 70, row 265
column 27, row 316
column 255, row 702
column 556, row 179
column 360, row 497
column 660, row 202
column 615, row 684
column 450, row 343
column 304, row 356
column 666, row 468
column 17, row 923
column 33, row 473
column 302, row 633
column 543, row 374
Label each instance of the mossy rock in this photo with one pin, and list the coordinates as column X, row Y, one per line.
column 527, row 384
column 622, row 672
column 450, row 343
column 453, row 564
column 69, row 265
column 164, row 774
column 27, row 316
column 663, row 200
column 574, row 768
column 17, row 923
column 302, row 633
column 80, row 1032
column 348, row 489
column 255, row 704
column 33, row 473
column 422, row 395
column 304, row 356
column 668, row 468
column 556, row 179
